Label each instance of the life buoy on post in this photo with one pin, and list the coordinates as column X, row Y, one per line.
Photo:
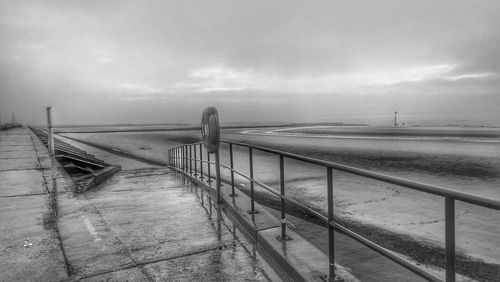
column 210, row 129
column 210, row 132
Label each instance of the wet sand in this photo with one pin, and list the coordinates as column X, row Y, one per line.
column 466, row 166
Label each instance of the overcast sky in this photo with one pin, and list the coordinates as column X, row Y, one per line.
column 164, row 61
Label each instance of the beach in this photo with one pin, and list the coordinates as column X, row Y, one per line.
column 468, row 164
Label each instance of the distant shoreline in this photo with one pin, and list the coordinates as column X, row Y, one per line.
column 322, row 129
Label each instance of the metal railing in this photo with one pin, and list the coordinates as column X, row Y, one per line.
column 181, row 157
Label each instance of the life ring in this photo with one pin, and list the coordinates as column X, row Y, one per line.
column 210, row 129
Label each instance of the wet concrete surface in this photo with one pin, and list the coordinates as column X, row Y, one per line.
column 148, row 219
column 147, row 223
column 29, row 246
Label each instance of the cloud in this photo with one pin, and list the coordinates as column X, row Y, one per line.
column 85, row 53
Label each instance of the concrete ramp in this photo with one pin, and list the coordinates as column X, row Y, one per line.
column 151, row 224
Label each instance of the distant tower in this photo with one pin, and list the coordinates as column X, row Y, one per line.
column 395, row 119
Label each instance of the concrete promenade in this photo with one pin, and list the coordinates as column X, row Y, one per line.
column 30, row 249
column 145, row 223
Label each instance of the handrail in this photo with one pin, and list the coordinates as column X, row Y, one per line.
column 432, row 189
column 181, row 157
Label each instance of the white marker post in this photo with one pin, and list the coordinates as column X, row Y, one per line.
column 50, row 141
column 50, row 132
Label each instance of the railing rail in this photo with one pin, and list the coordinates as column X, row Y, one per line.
column 181, row 157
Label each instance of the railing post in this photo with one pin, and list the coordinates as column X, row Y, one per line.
column 252, row 194
column 331, row 245
column 177, row 158
column 186, row 166
column 218, row 180
column 209, row 177
column 231, row 161
column 449, row 221
column 201, row 162
column 195, row 161
column 190, row 160
column 182, row 158
column 283, row 236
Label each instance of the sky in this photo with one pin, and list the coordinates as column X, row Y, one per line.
column 101, row 62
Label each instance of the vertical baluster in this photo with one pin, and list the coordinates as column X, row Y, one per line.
column 184, row 167
column 195, row 161
column 201, row 162
column 190, row 160
column 331, row 243
column 209, row 177
column 283, row 236
column 233, row 194
column 449, row 210
column 252, row 194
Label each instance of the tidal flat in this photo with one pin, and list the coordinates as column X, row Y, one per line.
column 469, row 164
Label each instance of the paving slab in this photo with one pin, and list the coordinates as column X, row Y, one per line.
column 90, row 246
column 229, row 264
column 29, row 217
column 20, row 163
column 10, row 148
column 21, row 182
column 17, row 154
column 16, row 142
column 127, row 275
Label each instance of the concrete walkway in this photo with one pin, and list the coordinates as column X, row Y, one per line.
column 145, row 223
column 30, row 249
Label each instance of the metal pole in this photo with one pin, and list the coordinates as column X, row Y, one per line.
column 190, row 159
column 283, row 203
column 186, row 167
column 209, row 179
column 449, row 210
column 182, row 158
column 252, row 194
column 331, row 246
column 232, row 167
column 50, row 132
column 201, row 162
column 51, row 146
column 218, row 183
column 195, row 162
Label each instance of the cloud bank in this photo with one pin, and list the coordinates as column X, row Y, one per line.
column 164, row 61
